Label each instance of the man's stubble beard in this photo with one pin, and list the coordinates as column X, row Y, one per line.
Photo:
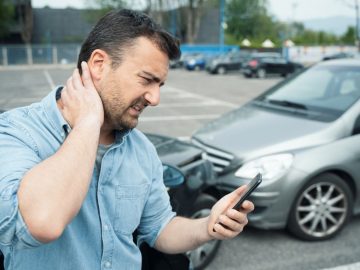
column 115, row 113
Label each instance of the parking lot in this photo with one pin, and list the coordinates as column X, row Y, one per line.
column 188, row 100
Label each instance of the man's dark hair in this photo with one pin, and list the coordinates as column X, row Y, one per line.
column 118, row 30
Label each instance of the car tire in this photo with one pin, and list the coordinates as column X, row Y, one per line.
column 221, row 70
column 1, row 261
column 261, row 73
column 203, row 255
column 321, row 209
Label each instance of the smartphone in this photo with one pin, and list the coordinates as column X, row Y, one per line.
column 250, row 187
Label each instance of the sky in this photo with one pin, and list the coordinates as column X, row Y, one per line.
column 284, row 10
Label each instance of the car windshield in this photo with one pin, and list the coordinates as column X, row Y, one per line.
column 324, row 90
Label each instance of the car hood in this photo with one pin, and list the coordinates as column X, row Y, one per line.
column 173, row 151
column 251, row 131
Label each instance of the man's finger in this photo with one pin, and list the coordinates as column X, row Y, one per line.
column 76, row 80
column 237, row 193
column 86, row 77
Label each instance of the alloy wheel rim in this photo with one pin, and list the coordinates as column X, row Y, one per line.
column 322, row 209
column 200, row 254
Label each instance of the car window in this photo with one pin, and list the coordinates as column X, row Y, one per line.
column 280, row 60
column 329, row 90
column 349, row 86
column 312, row 85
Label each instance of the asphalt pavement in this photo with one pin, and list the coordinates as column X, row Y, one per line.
column 188, row 100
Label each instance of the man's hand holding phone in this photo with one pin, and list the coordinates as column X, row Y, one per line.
column 229, row 215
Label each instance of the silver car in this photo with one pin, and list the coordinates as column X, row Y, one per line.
column 302, row 136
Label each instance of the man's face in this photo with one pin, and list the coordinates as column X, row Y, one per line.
column 127, row 90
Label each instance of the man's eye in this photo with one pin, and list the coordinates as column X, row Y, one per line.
column 147, row 80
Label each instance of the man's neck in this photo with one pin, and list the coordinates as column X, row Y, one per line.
column 107, row 134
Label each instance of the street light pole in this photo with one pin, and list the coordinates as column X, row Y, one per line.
column 357, row 25
column 222, row 23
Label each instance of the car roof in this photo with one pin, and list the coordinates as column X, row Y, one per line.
column 340, row 62
column 266, row 54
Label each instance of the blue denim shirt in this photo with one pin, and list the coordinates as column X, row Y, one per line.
column 127, row 193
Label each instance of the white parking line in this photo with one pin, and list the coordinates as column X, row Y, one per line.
column 49, row 79
column 178, row 117
column 197, row 96
column 202, row 103
column 353, row 266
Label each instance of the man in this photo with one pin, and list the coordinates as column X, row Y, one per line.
column 77, row 178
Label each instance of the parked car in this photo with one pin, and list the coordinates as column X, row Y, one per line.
column 231, row 61
column 195, row 62
column 261, row 64
column 339, row 55
column 180, row 63
column 187, row 177
column 193, row 197
column 303, row 136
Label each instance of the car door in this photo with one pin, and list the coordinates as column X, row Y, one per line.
column 269, row 64
column 281, row 66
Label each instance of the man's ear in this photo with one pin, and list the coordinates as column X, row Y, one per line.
column 97, row 63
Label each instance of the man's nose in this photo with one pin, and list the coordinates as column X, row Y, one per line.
column 152, row 96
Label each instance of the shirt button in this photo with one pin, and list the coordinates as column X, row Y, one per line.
column 106, row 227
column 107, row 264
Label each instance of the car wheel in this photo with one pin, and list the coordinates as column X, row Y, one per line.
column 1, row 261
column 321, row 209
column 203, row 255
column 221, row 70
column 261, row 73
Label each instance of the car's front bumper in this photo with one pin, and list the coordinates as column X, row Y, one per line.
column 272, row 200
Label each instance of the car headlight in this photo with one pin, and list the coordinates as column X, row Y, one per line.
column 271, row 167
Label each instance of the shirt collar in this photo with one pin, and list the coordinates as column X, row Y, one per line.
column 53, row 112
column 58, row 121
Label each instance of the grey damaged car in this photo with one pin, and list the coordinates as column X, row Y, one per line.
column 302, row 135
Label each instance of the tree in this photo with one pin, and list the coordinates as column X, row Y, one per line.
column 250, row 19
column 6, row 16
column 349, row 36
column 188, row 12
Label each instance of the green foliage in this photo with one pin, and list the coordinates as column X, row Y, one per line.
column 249, row 19
column 102, row 7
column 6, row 16
column 349, row 37
column 110, row 4
column 246, row 18
column 310, row 37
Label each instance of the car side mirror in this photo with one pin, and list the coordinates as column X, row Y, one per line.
column 173, row 177
column 356, row 129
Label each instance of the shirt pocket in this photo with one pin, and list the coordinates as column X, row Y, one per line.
column 130, row 201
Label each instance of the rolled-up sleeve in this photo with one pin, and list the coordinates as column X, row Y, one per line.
column 17, row 156
column 158, row 211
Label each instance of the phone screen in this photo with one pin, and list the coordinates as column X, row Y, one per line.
column 249, row 189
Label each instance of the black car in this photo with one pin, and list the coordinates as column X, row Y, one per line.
column 340, row 55
column 261, row 64
column 190, row 180
column 231, row 61
column 194, row 197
